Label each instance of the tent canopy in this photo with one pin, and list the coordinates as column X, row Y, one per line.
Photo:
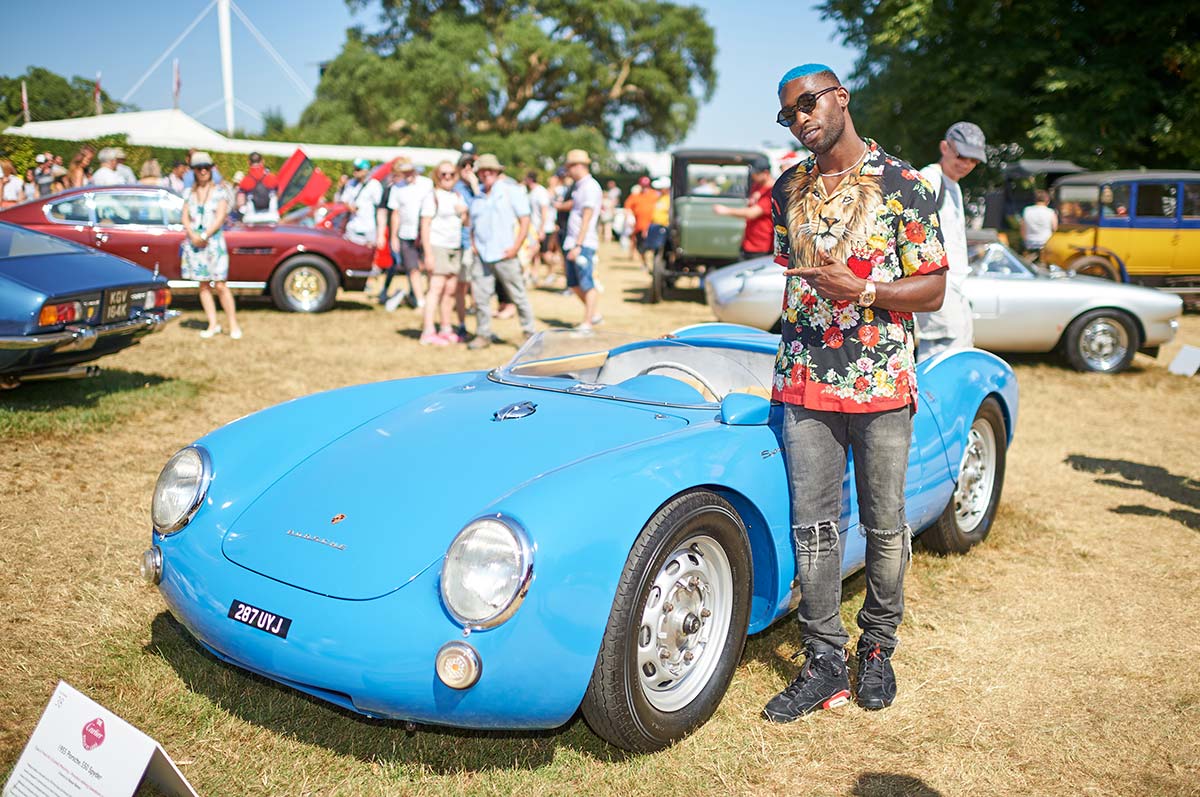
column 174, row 128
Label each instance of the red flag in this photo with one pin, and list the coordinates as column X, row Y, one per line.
column 96, row 96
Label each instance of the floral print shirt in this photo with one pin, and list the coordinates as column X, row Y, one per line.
column 880, row 220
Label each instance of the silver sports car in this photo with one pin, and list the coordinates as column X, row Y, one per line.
column 1096, row 324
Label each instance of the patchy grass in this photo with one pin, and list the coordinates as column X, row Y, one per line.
column 1057, row 658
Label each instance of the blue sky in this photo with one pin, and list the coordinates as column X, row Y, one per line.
column 757, row 42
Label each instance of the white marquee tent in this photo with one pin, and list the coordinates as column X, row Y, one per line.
column 174, row 128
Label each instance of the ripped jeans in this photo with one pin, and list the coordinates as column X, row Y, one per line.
column 816, row 445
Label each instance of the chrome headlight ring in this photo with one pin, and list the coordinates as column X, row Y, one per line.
column 199, row 461
column 457, row 573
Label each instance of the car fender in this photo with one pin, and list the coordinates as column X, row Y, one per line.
column 956, row 382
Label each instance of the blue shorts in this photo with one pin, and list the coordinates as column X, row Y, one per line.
column 579, row 270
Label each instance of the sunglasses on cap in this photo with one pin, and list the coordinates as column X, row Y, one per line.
column 805, row 104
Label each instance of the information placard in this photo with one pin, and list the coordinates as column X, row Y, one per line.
column 81, row 749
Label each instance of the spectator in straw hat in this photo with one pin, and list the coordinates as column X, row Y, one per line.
column 499, row 223
column 582, row 239
column 205, row 257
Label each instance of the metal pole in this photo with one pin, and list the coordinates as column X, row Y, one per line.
column 226, row 62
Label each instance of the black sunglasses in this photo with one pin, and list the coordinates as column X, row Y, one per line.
column 805, row 103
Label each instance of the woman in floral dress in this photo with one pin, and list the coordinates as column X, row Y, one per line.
column 205, row 258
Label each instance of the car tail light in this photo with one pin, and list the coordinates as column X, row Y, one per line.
column 60, row 313
column 158, row 298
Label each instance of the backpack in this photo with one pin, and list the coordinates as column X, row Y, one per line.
column 260, row 196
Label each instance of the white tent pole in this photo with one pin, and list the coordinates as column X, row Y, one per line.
column 226, row 62
column 168, row 51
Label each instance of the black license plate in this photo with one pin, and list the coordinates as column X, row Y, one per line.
column 261, row 619
column 116, row 305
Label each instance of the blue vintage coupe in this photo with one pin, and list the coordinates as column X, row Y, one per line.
column 62, row 305
column 595, row 526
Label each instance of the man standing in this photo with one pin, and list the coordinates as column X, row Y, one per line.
column 257, row 197
column 499, row 223
column 407, row 194
column 640, row 205
column 582, row 240
column 107, row 173
column 758, row 238
column 467, row 187
column 857, row 232
column 363, row 202
column 952, row 327
column 1038, row 222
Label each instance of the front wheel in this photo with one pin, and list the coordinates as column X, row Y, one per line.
column 677, row 627
column 658, row 277
column 1101, row 340
column 1095, row 266
column 304, row 284
column 968, row 517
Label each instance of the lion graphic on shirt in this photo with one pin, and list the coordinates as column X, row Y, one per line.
column 830, row 224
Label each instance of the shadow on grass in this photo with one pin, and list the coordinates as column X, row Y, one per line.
column 263, row 304
column 886, row 784
column 55, row 394
column 291, row 713
column 1149, row 478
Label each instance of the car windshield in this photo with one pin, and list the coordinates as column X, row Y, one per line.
column 712, row 179
column 667, row 371
column 19, row 242
column 996, row 260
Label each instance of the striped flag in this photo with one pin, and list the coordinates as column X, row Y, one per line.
column 96, row 96
column 175, row 83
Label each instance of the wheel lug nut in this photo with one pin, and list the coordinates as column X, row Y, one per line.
column 705, row 613
column 668, row 607
column 688, row 656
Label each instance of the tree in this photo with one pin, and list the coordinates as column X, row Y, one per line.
column 1098, row 83
column 51, row 96
column 562, row 72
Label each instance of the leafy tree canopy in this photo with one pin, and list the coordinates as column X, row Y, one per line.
column 1104, row 84
column 521, row 78
column 51, row 96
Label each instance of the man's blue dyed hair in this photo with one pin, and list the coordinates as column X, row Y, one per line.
column 804, row 70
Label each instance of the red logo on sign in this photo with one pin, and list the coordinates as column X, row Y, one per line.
column 93, row 734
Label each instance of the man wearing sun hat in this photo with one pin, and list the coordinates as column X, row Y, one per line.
column 363, row 201
column 582, row 239
column 499, row 224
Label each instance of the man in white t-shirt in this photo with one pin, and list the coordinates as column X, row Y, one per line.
column 582, row 240
column 363, row 201
column 107, row 173
column 1038, row 223
column 963, row 148
column 404, row 201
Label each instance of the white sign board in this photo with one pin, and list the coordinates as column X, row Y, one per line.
column 1187, row 362
column 81, row 749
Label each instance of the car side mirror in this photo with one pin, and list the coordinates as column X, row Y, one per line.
column 745, row 409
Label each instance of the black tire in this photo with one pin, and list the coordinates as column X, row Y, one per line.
column 957, row 531
column 696, row 530
column 1095, row 266
column 304, row 284
column 659, row 281
column 1103, row 341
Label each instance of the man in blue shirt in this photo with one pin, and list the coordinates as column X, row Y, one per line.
column 467, row 187
column 499, row 222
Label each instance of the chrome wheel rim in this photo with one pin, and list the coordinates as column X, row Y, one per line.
column 305, row 286
column 1103, row 344
column 689, row 606
column 976, row 476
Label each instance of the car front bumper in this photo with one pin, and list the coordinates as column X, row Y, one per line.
column 82, row 338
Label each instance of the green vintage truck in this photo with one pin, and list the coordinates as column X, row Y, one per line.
column 696, row 237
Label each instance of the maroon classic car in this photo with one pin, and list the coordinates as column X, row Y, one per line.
column 301, row 268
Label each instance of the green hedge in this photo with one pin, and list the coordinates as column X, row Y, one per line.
column 22, row 150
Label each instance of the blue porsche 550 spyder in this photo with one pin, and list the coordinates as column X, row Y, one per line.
column 596, row 525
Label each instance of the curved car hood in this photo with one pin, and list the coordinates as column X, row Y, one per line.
column 407, row 481
column 73, row 273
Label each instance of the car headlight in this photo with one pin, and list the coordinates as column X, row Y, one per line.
column 487, row 572
column 180, row 489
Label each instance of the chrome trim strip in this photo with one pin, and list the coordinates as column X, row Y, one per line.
column 77, row 338
column 177, row 285
column 527, row 550
column 354, row 273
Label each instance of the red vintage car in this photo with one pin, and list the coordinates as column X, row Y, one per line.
column 301, row 268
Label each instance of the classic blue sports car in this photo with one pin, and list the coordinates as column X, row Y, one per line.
column 597, row 524
column 62, row 304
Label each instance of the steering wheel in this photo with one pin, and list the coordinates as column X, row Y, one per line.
column 686, row 369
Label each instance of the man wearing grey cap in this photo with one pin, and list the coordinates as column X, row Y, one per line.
column 962, row 150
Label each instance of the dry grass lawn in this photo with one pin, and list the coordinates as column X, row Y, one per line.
column 1061, row 657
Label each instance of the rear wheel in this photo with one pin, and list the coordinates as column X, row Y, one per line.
column 304, row 284
column 677, row 627
column 1102, row 340
column 968, row 517
column 658, row 277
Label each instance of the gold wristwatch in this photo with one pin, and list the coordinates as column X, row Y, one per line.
column 867, row 297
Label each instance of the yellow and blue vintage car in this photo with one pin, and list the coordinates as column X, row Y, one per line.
column 596, row 525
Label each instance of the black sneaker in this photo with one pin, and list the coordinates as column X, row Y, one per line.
column 876, row 682
column 823, row 682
